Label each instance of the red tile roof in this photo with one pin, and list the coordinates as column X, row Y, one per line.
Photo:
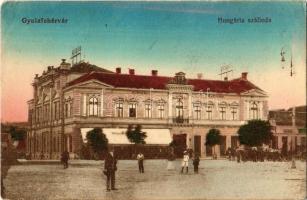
column 159, row 82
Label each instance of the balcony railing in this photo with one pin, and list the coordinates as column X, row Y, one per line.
column 180, row 120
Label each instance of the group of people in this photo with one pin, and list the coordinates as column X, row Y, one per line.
column 261, row 154
column 110, row 165
column 185, row 162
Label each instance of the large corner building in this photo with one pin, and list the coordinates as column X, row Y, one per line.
column 70, row 100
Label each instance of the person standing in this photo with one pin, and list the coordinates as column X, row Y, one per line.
column 140, row 158
column 196, row 163
column 185, row 162
column 109, row 170
column 65, row 158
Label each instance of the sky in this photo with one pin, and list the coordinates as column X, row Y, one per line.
column 166, row 36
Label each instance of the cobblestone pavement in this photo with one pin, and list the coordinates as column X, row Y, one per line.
column 218, row 179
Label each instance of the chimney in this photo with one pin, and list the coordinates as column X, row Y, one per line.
column 131, row 71
column 199, row 76
column 225, row 78
column 244, row 76
column 154, row 72
column 118, row 70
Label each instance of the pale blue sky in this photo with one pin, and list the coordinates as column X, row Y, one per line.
column 167, row 36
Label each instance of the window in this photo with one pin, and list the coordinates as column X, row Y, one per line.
column 70, row 108
column 222, row 113
column 209, row 112
column 56, row 110
column 119, row 109
column 179, row 109
column 197, row 111
column 132, row 110
column 66, row 110
column 254, row 111
column 234, row 113
column 161, row 110
column 93, row 106
column 147, row 110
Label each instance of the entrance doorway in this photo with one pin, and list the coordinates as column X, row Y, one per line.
column 197, row 144
column 234, row 141
column 180, row 144
column 223, row 146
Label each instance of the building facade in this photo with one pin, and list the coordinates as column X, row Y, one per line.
column 70, row 99
column 289, row 128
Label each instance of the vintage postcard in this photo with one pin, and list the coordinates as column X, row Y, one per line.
column 153, row 100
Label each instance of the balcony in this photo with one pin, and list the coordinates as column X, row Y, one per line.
column 180, row 120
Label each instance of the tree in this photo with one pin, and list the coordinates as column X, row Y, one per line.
column 97, row 140
column 136, row 136
column 17, row 134
column 255, row 133
column 213, row 138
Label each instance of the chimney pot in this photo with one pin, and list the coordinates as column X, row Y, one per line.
column 244, row 76
column 154, row 72
column 199, row 75
column 131, row 71
column 118, row 70
column 226, row 78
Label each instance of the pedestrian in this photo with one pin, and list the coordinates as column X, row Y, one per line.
column 238, row 154
column 196, row 163
column 185, row 162
column 140, row 158
column 65, row 158
column 229, row 153
column 109, row 170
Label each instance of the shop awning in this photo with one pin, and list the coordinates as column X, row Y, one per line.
column 118, row 135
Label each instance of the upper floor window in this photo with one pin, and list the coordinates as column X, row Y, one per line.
column 161, row 110
column 132, row 110
column 148, row 110
column 222, row 112
column 197, row 111
column 209, row 110
column 254, row 110
column 93, row 106
column 179, row 108
column 234, row 113
column 119, row 109
column 56, row 110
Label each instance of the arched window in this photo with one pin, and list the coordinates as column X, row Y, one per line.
column 179, row 108
column 234, row 113
column 132, row 110
column 119, row 109
column 254, row 110
column 161, row 110
column 148, row 110
column 197, row 111
column 209, row 110
column 93, row 106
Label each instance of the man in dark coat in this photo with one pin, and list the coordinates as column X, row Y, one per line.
column 196, row 163
column 109, row 169
column 65, row 158
column 140, row 158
